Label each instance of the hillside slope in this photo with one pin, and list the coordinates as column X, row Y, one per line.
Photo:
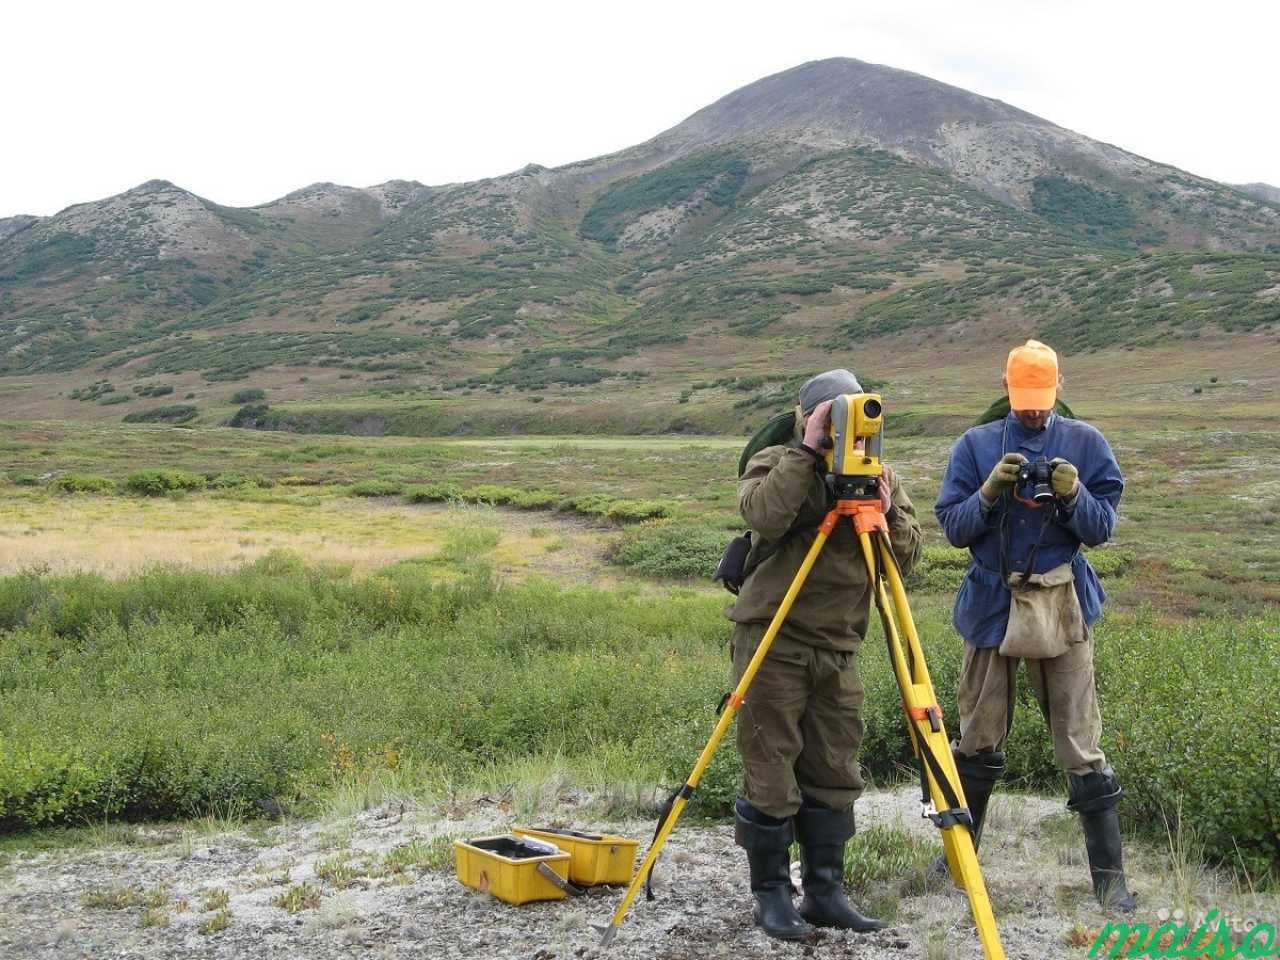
column 836, row 196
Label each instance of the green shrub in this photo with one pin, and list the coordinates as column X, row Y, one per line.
column 376, row 488
column 1111, row 561
column 95, row 391
column 491, row 493
column 233, row 481
column 882, row 854
column 153, row 390
column 155, row 483
column 670, row 550
column 248, row 395
column 587, row 504
column 82, row 483
column 940, row 570
column 1215, row 770
column 633, row 511
column 432, row 492
column 175, row 413
column 535, row 500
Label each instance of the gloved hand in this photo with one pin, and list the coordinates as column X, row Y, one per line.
column 885, row 485
column 815, row 427
column 1065, row 478
column 1003, row 475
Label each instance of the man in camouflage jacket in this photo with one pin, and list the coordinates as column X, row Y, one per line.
column 800, row 726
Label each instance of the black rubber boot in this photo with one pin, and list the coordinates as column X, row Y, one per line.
column 768, row 848
column 979, row 775
column 822, row 833
column 1094, row 797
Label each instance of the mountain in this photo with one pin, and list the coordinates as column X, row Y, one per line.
column 1263, row 191
column 832, row 201
column 11, row 225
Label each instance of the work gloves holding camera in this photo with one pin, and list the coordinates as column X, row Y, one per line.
column 1004, row 475
column 1065, row 478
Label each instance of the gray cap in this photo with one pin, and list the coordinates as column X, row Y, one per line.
column 827, row 386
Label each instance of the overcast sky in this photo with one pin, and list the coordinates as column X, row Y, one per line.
column 244, row 102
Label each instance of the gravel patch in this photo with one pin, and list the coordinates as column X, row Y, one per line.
column 1037, row 881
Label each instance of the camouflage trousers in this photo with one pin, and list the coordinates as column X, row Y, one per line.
column 800, row 725
column 1063, row 687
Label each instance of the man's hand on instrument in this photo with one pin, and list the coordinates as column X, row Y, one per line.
column 1065, row 478
column 1003, row 475
column 815, row 427
column 885, row 485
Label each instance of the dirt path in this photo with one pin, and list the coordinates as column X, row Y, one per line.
column 356, row 903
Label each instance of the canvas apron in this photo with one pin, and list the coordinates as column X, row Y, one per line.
column 1045, row 618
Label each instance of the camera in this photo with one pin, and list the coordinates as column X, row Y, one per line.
column 1038, row 476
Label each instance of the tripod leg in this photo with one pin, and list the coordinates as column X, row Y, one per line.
column 928, row 735
column 722, row 726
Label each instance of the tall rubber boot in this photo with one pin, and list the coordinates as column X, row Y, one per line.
column 768, row 847
column 823, row 833
column 979, row 775
column 1094, row 797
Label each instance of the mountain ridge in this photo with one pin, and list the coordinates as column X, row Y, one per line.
column 838, row 189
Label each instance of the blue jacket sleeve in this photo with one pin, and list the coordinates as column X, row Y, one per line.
column 1093, row 516
column 959, row 508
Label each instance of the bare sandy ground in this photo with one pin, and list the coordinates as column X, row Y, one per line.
column 1032, row 858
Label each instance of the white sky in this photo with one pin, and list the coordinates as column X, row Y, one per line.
column 243, row 102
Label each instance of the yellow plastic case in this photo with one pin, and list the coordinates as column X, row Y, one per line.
column 596, row 858
column 513, row 869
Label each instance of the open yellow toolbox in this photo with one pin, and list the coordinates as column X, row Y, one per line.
column 514, row 869
column 596, row 858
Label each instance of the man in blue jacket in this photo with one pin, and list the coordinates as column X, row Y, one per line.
column 1030, row 594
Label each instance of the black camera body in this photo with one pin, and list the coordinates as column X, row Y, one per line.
column 1039, row 477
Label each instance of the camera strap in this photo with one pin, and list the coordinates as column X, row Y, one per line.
column 1006, row 548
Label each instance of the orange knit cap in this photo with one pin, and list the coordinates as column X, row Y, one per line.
column 1032, row 372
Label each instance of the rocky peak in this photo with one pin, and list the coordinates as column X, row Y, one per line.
column 16, row 224
column 844, row 99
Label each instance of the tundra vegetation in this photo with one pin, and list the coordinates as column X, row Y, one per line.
column 495, row 614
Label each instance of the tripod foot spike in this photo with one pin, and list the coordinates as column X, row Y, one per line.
column 608, row 932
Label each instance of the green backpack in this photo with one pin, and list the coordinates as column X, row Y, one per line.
column 779, row 429
column 1000, row 409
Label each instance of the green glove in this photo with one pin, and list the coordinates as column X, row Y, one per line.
column 1003, row 475
column 1065, row 478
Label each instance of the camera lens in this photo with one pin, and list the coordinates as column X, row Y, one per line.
column 871, row 408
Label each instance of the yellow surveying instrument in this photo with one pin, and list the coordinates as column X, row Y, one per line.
column 854, row 441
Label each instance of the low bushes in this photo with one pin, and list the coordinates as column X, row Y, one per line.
column 82, row 483
column 377, row 488
column 171, row 691
column 156, row 483
column 1195, row 725
column 432, row 492
column 670, row 550
column 174, row 413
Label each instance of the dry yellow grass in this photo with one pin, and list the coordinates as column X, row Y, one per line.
column 116, row 536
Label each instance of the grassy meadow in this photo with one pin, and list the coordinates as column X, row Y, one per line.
column 197, row 620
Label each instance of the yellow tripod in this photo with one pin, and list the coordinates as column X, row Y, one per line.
column 950, row 814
